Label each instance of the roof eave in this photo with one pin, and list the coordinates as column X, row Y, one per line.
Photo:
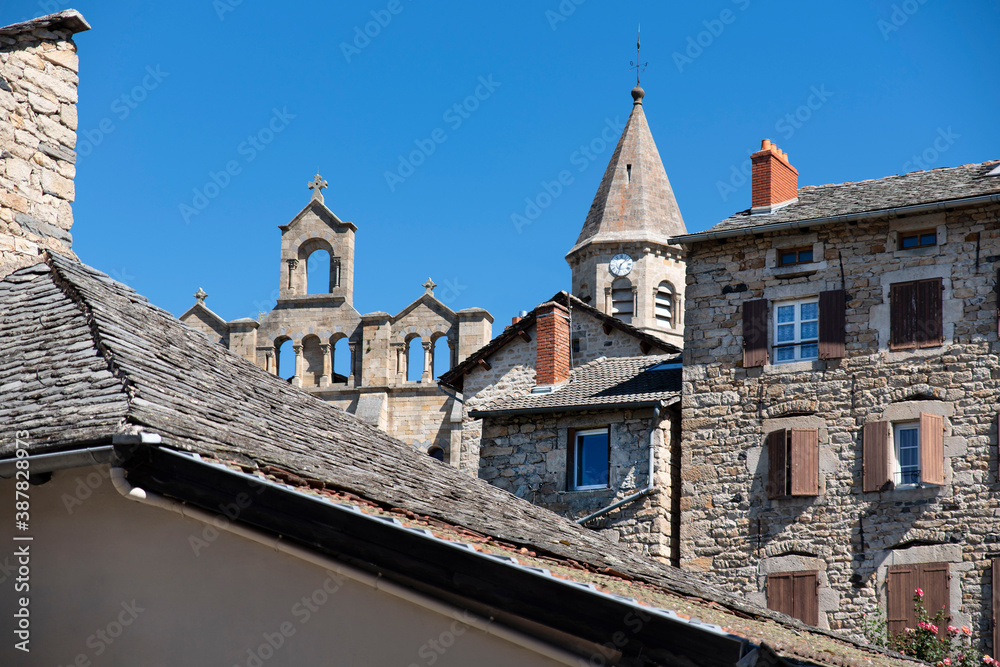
column 69, row 19
column 913, row 209
column 548, row 409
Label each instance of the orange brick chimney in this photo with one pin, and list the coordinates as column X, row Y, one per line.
column 775, row 181
column 552, row 344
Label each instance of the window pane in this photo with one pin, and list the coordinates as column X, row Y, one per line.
column 810, row 311
column 909, row 242
column 908, row 454
column 928, row 239
column 786, row 333
column 786, row 314
column 810, row 351
column 806, row 256
column 809, row 330
column 592, row 460
column 785, row 354
column 788, row 257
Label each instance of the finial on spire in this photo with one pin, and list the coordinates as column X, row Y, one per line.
column 429, row 287
column 317, row 185
column 200, row 296
column 638, row 66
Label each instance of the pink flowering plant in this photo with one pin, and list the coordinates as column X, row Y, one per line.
column 951, row 648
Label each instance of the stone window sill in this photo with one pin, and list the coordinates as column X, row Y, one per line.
column 795, row 367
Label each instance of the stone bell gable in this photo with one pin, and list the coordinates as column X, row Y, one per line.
column 359, row 362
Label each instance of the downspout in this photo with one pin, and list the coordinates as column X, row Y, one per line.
column 376, row 582
column 650, row 485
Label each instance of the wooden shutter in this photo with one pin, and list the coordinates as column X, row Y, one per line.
column 931, row 448
column 795, row 594
column 803, row 454
column 929, row 326
column 933, row 578
column 777, row 464
column 754, row 333
column 570, row 459
column 996, row 604
column 779, row 593
column 832, row 320
column 805, row 597
column 875, row 456
column 902, row 315
column 902, row 581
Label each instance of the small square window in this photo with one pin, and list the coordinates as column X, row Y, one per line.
column 921, row 239
column 788, row 256
column 591, row 459
column 796, row 331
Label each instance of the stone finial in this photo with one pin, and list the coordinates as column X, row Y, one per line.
column 316, row 185
column 429, row 287
column 200, row 296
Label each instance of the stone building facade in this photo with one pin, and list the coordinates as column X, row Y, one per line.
column 38, row 122
column 323, row 327
column 840, row 399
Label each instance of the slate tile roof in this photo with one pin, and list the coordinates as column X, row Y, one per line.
column 619, row 381
column 84, row 358
column 68, row 19
column 919, row 187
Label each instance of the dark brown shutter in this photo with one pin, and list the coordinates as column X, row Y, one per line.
column 996, row 604
column 804, row 456
column 779, row 593
column 832, row 319
column 875, row 456
column 777, row 464
column 902, row 581
column 570, row 459
column 931, row 448
column 754, row 333
column 902, row 315
column 930, row 330
column 933, row 579
column 805, row 597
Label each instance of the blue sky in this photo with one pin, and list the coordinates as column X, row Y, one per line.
column 201, row 122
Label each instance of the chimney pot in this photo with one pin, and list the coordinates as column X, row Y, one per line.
column 552, row 344
column 775, row 180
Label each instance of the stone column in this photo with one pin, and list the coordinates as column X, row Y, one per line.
column 400, row 350
column 637, row 319
column 428, row 361
column 325, row 379
column 452, row 353
column 351, row 379
column 607, row 300
column 297, row 379
column 269, row 365
column 293, row 264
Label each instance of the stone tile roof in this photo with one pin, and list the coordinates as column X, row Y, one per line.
column 84, row 358
column 634, row 201
column 619, row 381
column 453, row 378
column 845, row 199
column 68, row 19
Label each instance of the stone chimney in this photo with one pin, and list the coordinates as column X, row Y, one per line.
column 552, row 344
column 775, row 181
column 38, row 122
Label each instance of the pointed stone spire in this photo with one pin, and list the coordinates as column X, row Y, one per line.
column 634, row 201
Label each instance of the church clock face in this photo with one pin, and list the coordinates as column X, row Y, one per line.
column 621, row 265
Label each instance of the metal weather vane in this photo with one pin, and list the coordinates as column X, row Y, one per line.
column 636, row 65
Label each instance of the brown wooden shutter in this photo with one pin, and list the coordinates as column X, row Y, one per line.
column 832, row 320
column 754, row 333
column 570, row 459
column 996, row 604
column 902, row 581
column 902, row 315
column 803, row 454
column 933, row 578
column 805, row 597
column 931, row 448
column 777, row 464
column 875, row 456
column 929, row 326
column 779, row 593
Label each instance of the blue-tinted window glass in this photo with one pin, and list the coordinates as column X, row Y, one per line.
column 592, row 459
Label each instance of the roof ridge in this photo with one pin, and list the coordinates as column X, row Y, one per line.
column 69, row 288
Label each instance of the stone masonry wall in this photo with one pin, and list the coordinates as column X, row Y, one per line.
column 731, row 532
column 526, row 455
column 38, row 122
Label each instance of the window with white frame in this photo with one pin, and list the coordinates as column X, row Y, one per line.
column 906, row 453
column 590, row 459
column 796, row 330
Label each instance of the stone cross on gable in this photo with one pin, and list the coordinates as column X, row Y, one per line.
column 317, row 185
column 429, row 287
column 200, row 296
